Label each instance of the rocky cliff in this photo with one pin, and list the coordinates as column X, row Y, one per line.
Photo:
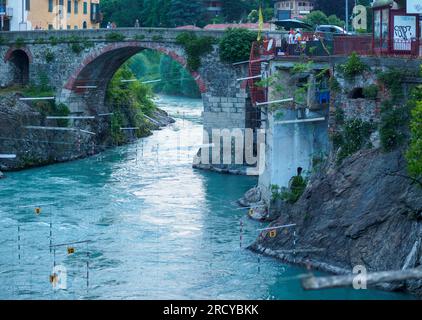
column 363, row 212
column 40, row 147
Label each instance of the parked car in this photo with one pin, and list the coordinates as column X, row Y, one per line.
column 330, row 29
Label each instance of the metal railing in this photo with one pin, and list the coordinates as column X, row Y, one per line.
column 345, row 45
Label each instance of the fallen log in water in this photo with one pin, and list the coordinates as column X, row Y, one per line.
column 316, row 283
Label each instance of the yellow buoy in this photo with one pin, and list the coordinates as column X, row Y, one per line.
column 251, row 212
column 70, row 250
column 273, row 233
column 38, row 210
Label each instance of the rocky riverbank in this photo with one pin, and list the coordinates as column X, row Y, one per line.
column 363, row 212
column 34, row 147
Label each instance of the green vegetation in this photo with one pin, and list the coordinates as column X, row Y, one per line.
column 275, row 192
column 302, row 67
column 195, row 47
column 353, row 67
column 139, row 37
column 157, row 38
column 371, row 92
column 393, row 80
column 130, row 103
column 173, row 13
column 77, row 47
column 394, row 124
column 2, row 41
column 19, row 43
column 175, row 79
column 49, row 56
column 352, row 136
column 115, row 37
column 54, row 41
column 414, row 154
column 236, row 45
column 296, row 188
column 318, row 17
column 46, row 107
column 334, row 84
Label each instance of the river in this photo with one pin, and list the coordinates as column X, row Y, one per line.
column 151, row 227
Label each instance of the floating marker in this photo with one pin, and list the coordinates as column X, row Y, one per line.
column 273, row 233
column 129, row 80
column 70, row 250
column 274, row 101
column 58, row 129
column 151, row 81
column 135, row 128
column 86, row 87
column 7, row 156
column 279, row 227
column 38, row 211
column 69, row 117
column 251, row 212
column 38, row 98
column 250, row 78
column 299, row 121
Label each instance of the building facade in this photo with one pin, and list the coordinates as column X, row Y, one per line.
column 50, row 14
column 293, row 8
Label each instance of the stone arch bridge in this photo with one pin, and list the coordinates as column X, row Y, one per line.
column 80, row 79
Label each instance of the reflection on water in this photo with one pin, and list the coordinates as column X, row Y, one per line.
column 159, row 229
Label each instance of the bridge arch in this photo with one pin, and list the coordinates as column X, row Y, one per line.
column 19, row 60
column 98, row 68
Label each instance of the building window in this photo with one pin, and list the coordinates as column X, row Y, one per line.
column 85, row 8
column 76, row 7
column 50, row 5
column 28, row 5
column 69, row 6
column 84, row 25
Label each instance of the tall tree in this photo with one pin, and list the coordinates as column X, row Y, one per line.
column 184, row 12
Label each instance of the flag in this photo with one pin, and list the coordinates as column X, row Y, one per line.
column 261, row 24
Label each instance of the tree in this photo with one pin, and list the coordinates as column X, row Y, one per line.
column 184, row 12
column 235, row 10
column 236, row 44
column 330, row 7
column 316, row 18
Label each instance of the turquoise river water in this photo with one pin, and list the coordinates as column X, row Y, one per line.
column 157, row 229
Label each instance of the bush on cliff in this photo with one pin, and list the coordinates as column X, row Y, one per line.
column 414, row 154
column 353, row 66
column 353, row 136
column 235, row 46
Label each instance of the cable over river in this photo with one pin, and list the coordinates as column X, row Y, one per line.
column 137, row 222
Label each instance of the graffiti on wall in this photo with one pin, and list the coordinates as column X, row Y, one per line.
column 404, row 32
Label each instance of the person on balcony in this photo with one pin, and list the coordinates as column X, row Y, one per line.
column 298, row 36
